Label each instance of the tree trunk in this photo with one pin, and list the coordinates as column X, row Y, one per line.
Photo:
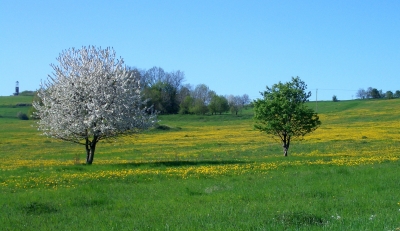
column 285, row 145
column 285, row 151
column 90, row 149
column 90, row 154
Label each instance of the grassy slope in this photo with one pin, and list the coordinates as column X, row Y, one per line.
column 13, row 100
column 9, row 105
column 209, row 173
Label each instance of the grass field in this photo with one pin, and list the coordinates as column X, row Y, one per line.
column 207, row 173
column 10, row 106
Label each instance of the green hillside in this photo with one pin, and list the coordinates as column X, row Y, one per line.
column 208, row 172
column 14, row 100
column 11, row 105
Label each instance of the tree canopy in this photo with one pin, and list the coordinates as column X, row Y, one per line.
column 89, row 97
column 282, row 112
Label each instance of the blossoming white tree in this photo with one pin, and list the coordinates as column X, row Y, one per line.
column 91, row 96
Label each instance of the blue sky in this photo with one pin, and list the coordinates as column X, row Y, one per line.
column 234, row 47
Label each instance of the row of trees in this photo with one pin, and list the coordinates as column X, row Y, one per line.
column 202, row 101
column 162, row 89
column 373, row 93
column 167, row 94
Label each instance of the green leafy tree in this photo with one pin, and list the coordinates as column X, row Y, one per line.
column 199, row 107
column 389, row 95
column 218, row 104
column 397, row 94
column 375, row 94
column 162, row 88
column 282, row 112
column 163, row 97
column 153, row 94
column 186, row 105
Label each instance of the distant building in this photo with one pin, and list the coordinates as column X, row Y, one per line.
column 16, row 88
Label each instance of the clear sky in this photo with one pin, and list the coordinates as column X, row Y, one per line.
column 234, row 47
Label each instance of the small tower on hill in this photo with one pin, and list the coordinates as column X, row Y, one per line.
column 16, row 88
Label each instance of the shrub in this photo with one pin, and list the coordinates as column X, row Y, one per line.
column 22, row 116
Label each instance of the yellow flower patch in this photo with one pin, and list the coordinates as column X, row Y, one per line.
column 344, row 144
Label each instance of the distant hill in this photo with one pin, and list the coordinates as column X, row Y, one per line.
column 13, row 100
column 345, row 111
column 11, row 105
column 27, row 93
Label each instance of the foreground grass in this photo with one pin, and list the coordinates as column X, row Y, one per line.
column 209, row 173
column 329, row 197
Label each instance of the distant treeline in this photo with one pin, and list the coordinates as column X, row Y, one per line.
column 373, row 93
column 166, row 92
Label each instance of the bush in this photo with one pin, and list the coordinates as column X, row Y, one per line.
column 22, row 116
column 334, row 98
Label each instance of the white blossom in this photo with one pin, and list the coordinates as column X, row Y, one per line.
column 91, row 96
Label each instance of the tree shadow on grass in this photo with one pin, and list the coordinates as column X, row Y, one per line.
column 179, row 163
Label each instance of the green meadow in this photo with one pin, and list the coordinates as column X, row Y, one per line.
column 207, row 172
